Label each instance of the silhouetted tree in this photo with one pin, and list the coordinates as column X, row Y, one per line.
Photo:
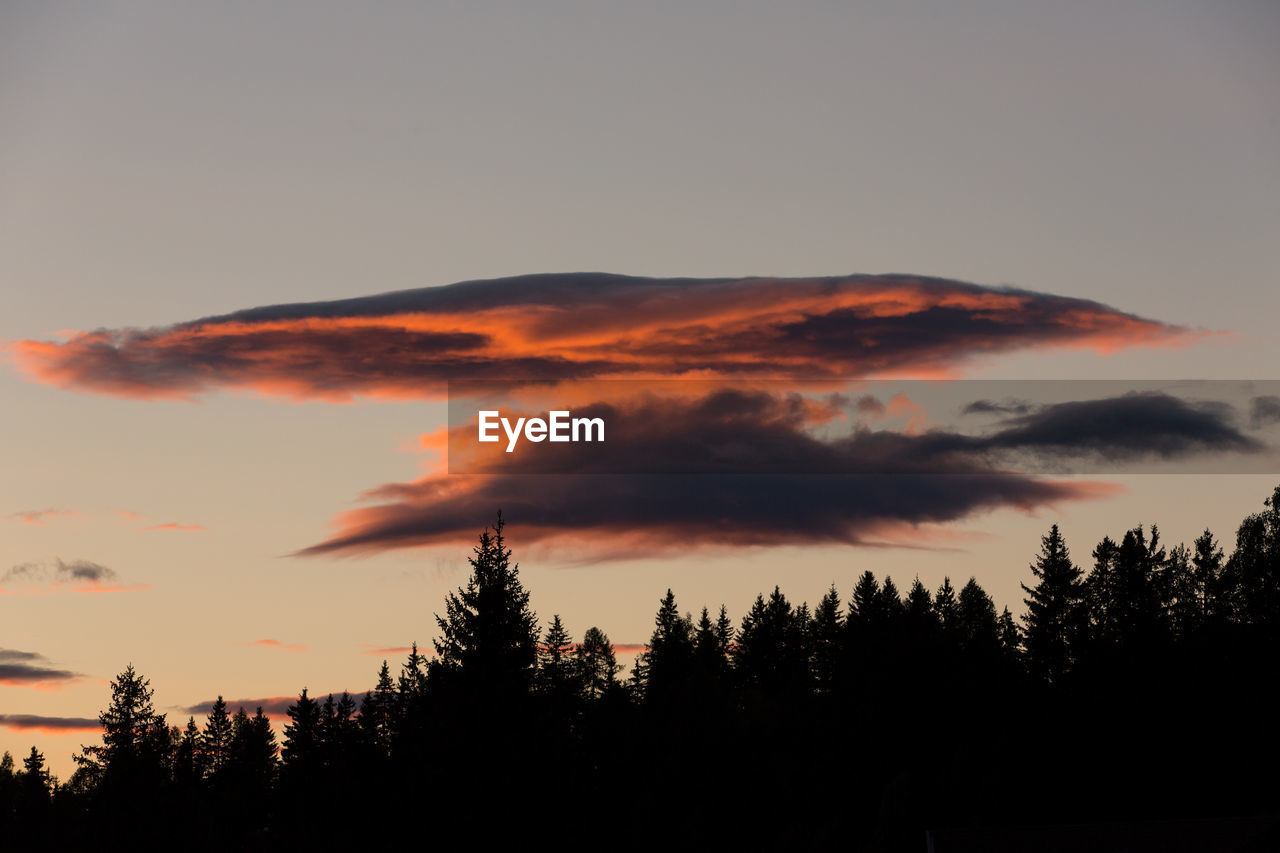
column 301, row 750
column 34, row 783
column 556, row 676
column 826, row 633
column 944, row 604
column 667, row 662
column 597, row 667
column 378, row 713
column 133, row 760
column 1253, row 571
column 771, row 656
column 1055, row 609
column 976, row 619
column 215, row 742
column 488, row 635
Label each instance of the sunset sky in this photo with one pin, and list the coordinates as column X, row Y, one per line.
column 253, row 503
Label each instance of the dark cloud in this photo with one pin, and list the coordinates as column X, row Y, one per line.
column 989, row 407
column 869, row 404
column 1132, row 426
column 742, row 467
column 60, row 572
column 28, row 669
column 50, row 725
column 574, row 326
column 1264, row 410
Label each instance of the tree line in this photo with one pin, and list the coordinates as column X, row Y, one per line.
column 1133, row 688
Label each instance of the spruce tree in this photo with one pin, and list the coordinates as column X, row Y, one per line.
column 133, row 760
column 826, row 633
column 555, row 664
column 215, row 742
column 944, row 605
column 488, row 635
column 1054, row 609
column 597, row 666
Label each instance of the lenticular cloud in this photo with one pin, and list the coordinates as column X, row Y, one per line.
column 408, row 344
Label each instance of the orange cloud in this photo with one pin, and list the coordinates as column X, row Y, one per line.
column 276, row 644
column 38, row 517
column 409, row 344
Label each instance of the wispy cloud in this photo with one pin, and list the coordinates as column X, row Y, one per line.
column 39, row 517
column 276, row 644
column 81, row 576
column 172, row 525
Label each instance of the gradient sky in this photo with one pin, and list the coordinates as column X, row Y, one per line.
column 165, row 162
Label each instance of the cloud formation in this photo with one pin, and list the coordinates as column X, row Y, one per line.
column 38, row 517
column 49, row 725
column 408, row 344
column 277, row 644
column 28, row 669
column 173, row 525
column 743, row 467
column 83, row 576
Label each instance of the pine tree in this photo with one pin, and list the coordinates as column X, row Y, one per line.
column 413, row 674
column 378, row 713
column 919, row 607
column 597, row 666
column 488, row 635
column 215, row 742
column 826, row 633
column 35, row 782
column 1010, row 634
column 188, row 762
column 301, row 750
column 1207, row 586
column 1054, row 609
column 555, row 664
column 866, row 595
column 944, row 605
column 667, row 663
column 976, row 618
column 134, row 756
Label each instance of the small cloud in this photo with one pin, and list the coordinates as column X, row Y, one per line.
column 276, row 644
column 49, row 725
column 84, row 576
column 629, row 648
column 129, row 516
column 28, row 669
column 173, row 525
column 990, row 407
column 390, row 651
column 38, row 517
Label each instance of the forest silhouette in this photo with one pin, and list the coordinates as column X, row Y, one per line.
column 1128, row 707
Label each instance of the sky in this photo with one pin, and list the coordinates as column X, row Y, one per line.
column 165, row 163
